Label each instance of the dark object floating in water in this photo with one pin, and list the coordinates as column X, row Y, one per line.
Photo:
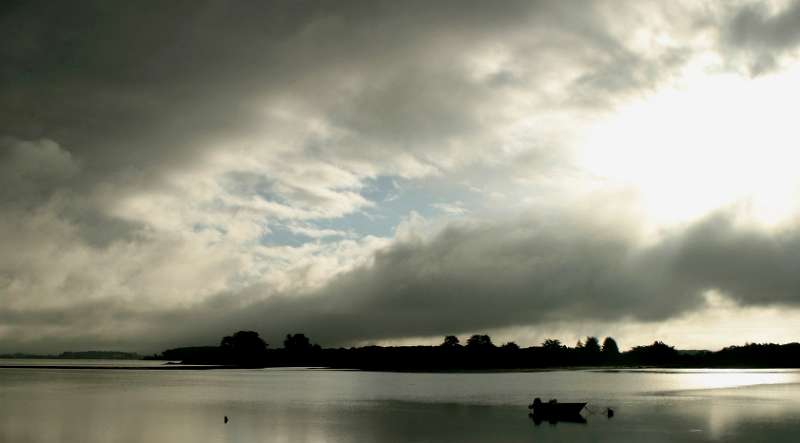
column 554, row 412
column 226, row 419
column 609, row 412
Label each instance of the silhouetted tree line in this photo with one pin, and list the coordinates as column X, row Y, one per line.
column 247, row 349
column 84, row 355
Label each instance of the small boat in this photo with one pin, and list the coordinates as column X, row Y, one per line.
column 555, row 410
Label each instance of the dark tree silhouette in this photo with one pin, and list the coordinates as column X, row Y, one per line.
column 478, row 341
column 244, row 348
column 247, row 349
column 592, row 345
column 552, row 344
column 657, row 353
column 451, row 341
column 297, row 343
column 610, row 347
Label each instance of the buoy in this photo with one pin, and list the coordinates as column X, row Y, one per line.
column 610, row 412
column 226, row 419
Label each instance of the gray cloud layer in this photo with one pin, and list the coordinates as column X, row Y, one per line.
column 138, row 87
column 535, row 271
column 764, row 35
column 469, row 277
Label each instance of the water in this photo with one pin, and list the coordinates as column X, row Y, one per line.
column 297, row 405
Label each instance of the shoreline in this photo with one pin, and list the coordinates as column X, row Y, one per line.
column 178, row 366
column 123, row 368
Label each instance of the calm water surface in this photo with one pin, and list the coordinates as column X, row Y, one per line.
column 298, row 405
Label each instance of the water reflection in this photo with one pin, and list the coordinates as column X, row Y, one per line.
column 292, row 405
column 539, row 419
column 686, row 379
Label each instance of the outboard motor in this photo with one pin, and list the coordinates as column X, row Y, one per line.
column 536, row 403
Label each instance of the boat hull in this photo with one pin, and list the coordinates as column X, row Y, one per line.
column 558, row 411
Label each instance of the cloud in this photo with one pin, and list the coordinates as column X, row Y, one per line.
column 30, row 171
column 391, row 87
column 155, row 159
column 749, row 265
column 542, row 269
column 763, row 35
column 454, row 208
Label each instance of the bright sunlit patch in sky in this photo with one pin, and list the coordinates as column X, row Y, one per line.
column 712, row 141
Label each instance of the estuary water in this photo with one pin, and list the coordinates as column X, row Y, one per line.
column 312, row 405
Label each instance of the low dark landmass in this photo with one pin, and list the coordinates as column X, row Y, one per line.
column 104, row 367
column 85, row 355
column 247, row 349
column 190, row 354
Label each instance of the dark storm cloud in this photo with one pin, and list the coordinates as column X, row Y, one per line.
column 141, row 85
column 751, row 266
column 477, row 277
column 30, row 172
column 626, row 71
column 763, row 34
column 473, row 277
column 133, row 92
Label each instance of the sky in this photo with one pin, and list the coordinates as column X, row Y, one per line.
column 385, row 172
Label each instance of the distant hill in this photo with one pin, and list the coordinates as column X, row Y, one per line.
column 23, row 355
column 101, row 355
column 85, row 355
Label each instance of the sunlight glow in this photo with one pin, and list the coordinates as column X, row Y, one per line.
column 713, row 141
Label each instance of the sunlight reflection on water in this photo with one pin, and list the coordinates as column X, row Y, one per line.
column 693, row 379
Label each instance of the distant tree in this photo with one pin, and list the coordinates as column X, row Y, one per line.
column 297, row 343
column 579, row 345
column 657, row 353
column 451, row 341
column 552, row 344
column 610, row 346
column 510, row 346
column 244, row 348
column 480, row 342
column 193, row 355
column 592, row 345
